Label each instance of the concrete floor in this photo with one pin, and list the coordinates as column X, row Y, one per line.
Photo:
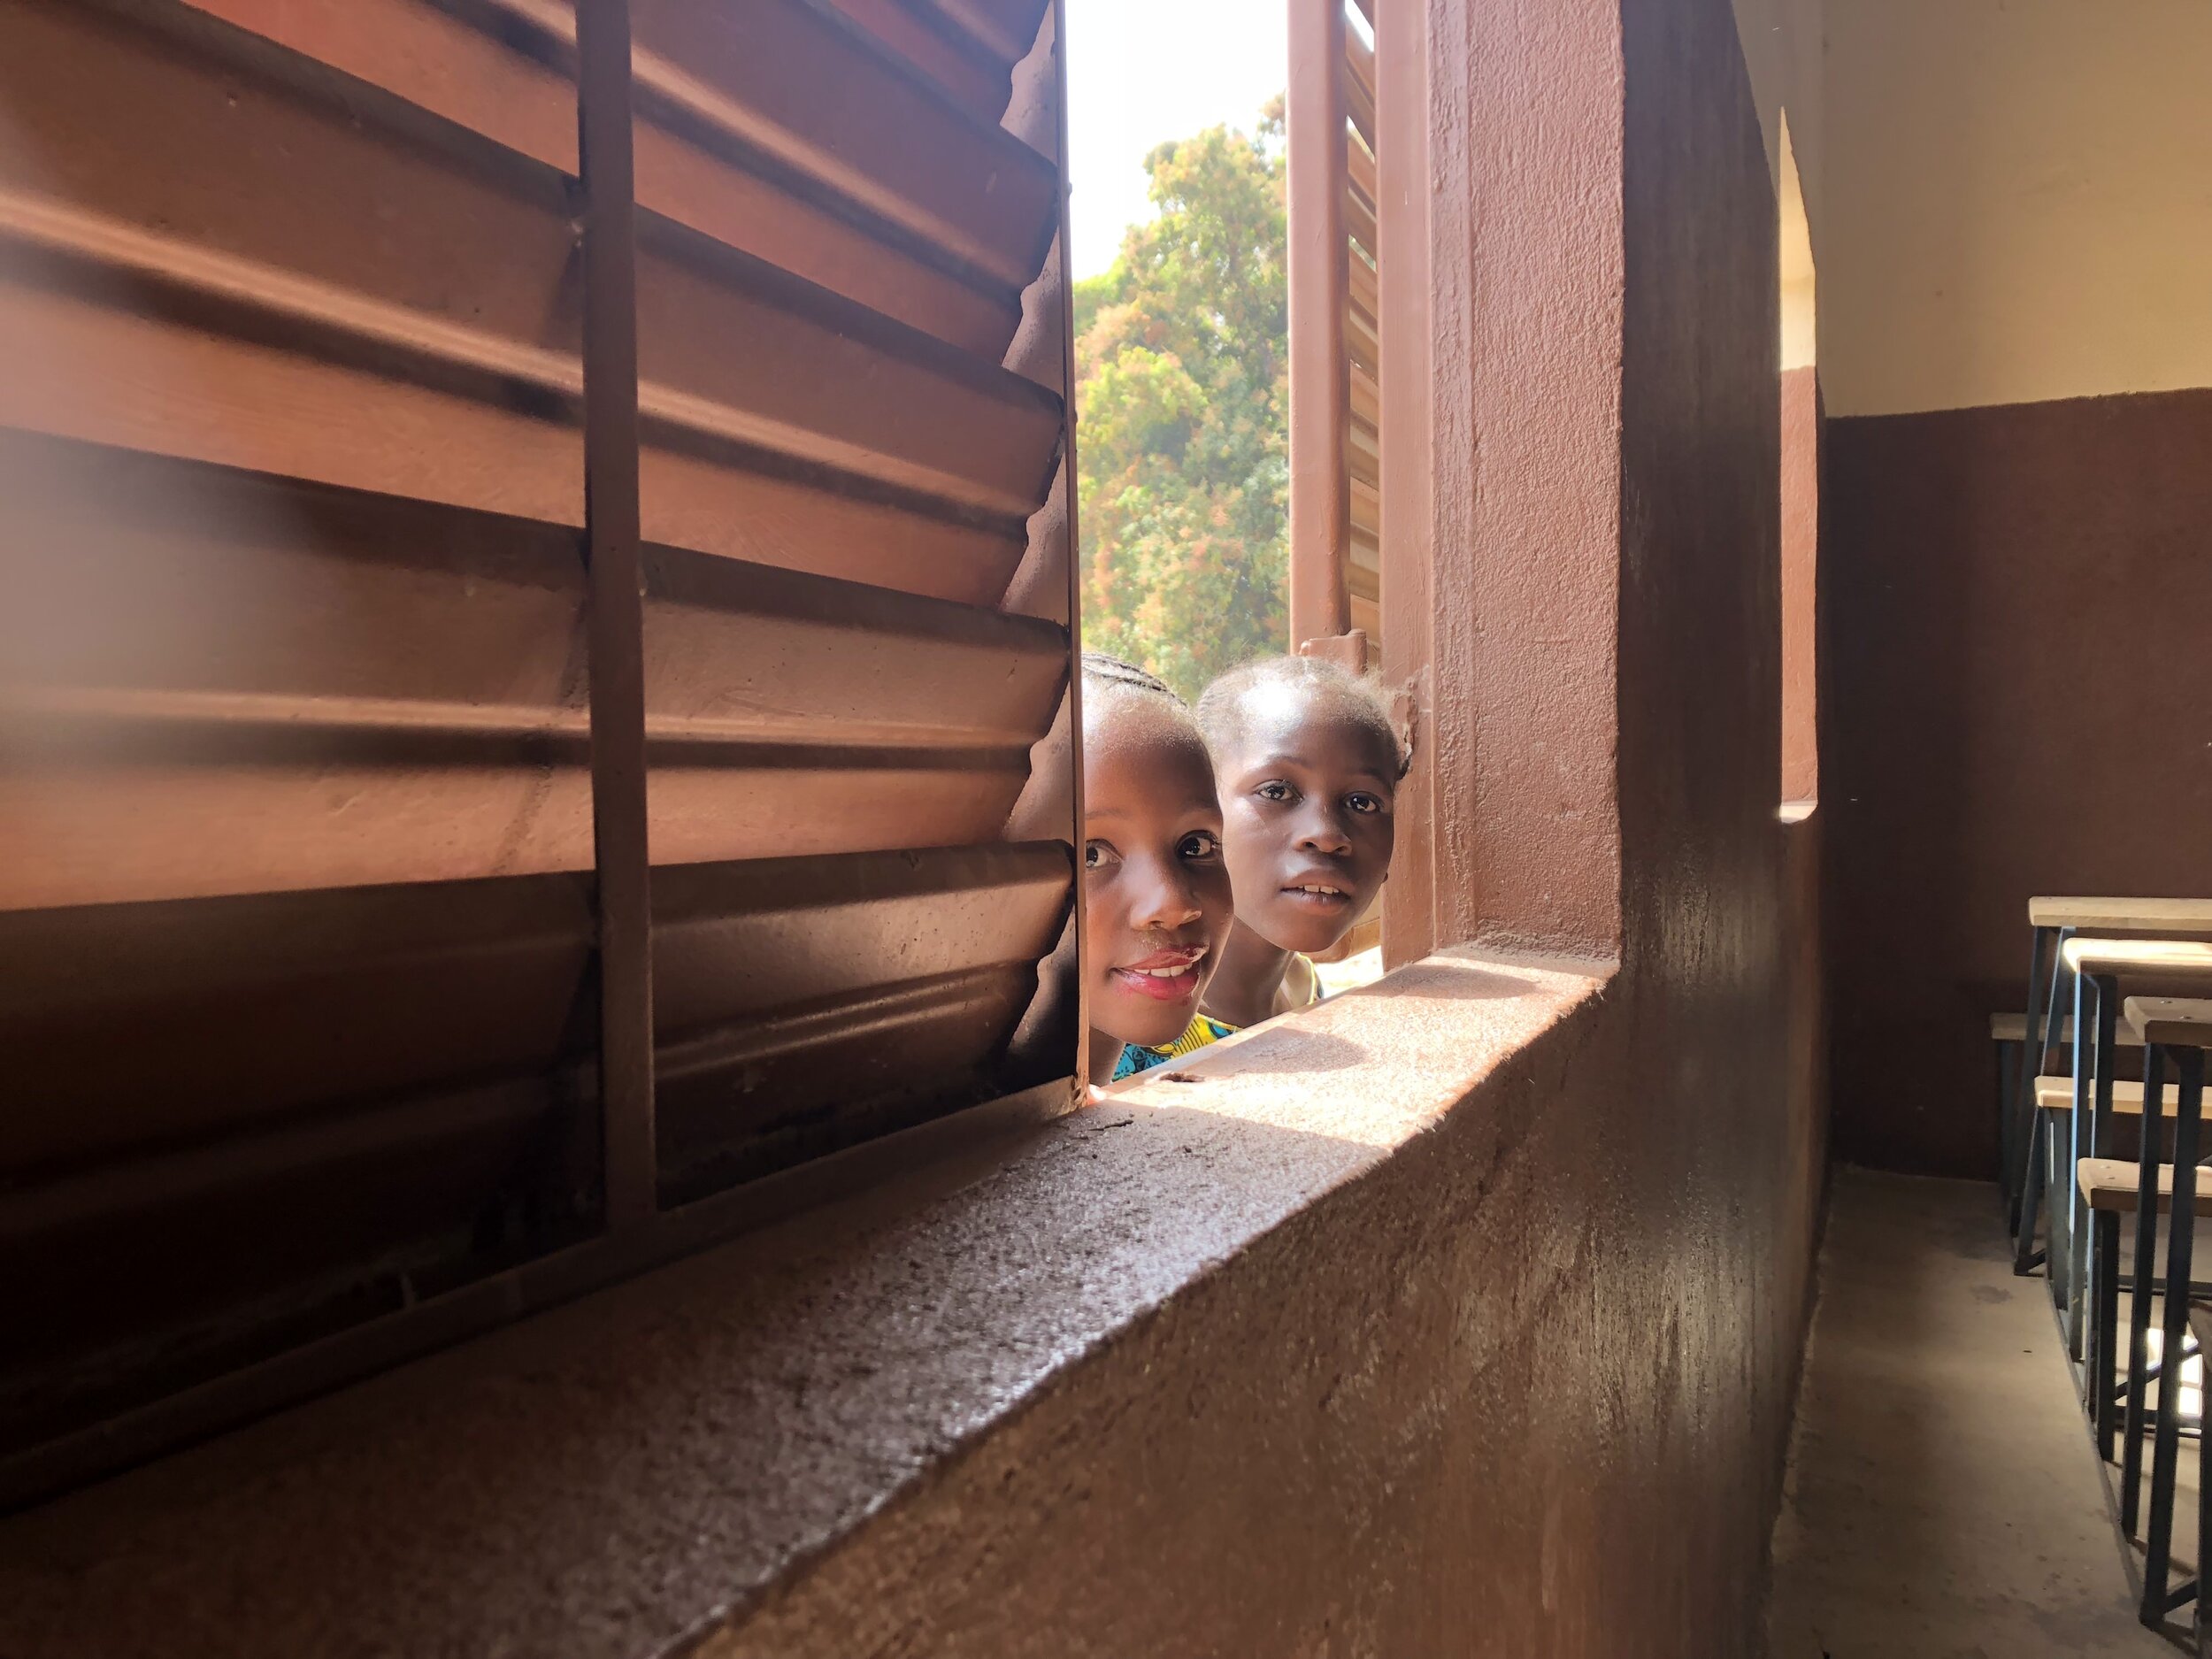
column 1943, row 1496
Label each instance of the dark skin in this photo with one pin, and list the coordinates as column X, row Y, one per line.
column 1156, row 890
column 1307, row 793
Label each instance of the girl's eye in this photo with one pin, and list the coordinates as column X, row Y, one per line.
column 1275, row 789
column 1363, row 802
column 1098, row 854
column 1199, row 844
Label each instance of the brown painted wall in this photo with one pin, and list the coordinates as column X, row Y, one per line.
column 2016, row 699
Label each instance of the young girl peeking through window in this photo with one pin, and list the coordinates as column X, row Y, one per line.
column 1307, row 765
column 1155, row 891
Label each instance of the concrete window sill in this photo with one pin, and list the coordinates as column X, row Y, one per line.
column 641, row 1471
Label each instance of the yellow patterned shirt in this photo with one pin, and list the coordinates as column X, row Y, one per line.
column 1203, row 1031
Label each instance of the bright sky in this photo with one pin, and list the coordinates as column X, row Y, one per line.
column 1142, row 70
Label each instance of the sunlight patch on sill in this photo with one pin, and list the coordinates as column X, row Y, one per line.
column 1378, row 1064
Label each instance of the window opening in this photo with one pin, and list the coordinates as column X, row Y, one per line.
column 1801, row 491
column 1228, row 353
column 1182, row 332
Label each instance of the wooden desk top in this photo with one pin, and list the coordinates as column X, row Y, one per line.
column 2186, row 962
column 2180, row 1021
column 2140, row 916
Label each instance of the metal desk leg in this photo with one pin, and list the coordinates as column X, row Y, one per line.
column 2008, row 1137
column 2145, row 1286
column 2035, row 1147
column 2104, row 1327
column 2180, row 1234
column 2065, row 1263
column 2042, row 1135
column 2104, row 1000
column 2018, row 1128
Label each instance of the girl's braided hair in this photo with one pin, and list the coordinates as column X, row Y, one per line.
column 1111, row 670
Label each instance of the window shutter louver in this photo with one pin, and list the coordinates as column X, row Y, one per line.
column 300, row 993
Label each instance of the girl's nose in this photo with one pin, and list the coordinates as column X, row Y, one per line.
column 1323, row 833
column 1165, row 900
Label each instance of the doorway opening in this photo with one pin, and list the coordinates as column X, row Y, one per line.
column 1800, row 493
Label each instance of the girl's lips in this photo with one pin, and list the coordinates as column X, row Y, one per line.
column 1319, row 894
column 1166, row 976
column 1172, row 988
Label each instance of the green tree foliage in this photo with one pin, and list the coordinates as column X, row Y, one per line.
column 1182, row 398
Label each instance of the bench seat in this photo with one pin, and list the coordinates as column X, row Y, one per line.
column 2056, row 1094
column 2014, row 1028
column 2111, row 1184
column 2175, row 966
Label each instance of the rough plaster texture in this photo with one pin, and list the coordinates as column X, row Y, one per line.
column 1705, row 897
column 2016, row 699
column 1527, row 389
column 606, row 1478
column 1458, row 1317
column 1311, row 1354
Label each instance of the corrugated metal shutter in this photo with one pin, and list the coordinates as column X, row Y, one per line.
column 300, row 986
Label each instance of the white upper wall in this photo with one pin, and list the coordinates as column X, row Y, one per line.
column 1782, row 46
column 2011, row 200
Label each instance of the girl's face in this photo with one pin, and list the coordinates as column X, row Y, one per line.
column 1155, row 893
column 1307, row 792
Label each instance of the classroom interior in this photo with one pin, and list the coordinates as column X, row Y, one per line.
column 1766, row 448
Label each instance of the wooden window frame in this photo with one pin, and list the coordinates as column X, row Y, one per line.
column 1331, row 72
